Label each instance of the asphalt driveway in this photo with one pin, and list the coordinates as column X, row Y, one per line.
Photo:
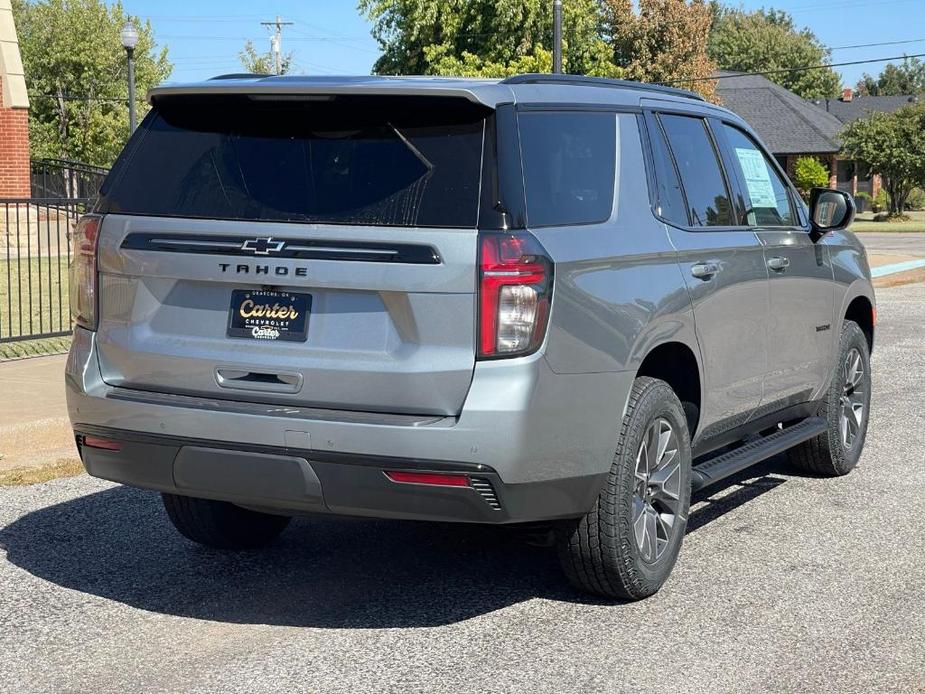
column 786, row 583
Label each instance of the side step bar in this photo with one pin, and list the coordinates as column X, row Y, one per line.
column 726, row 464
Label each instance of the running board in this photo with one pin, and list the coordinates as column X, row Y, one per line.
column 725, row 464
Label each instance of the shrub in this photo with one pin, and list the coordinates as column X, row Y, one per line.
column 863, row 201
column 808, row 173
column 916, row 200
column 881, row 201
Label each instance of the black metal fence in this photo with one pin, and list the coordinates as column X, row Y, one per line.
column 35, row 253
column 61, row 178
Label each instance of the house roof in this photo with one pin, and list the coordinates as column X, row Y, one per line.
column 787, row 123
column 863, row 106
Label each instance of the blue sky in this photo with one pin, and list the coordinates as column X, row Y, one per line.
column 204, row 37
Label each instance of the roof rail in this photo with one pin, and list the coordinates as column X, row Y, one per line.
column 583, row 80
column 238, row 76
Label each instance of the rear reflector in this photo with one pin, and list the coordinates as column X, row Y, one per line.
column 433, row 478
column 106, row 444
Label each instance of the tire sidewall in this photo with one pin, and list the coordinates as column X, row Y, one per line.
column 846, row 459
column 659, row 400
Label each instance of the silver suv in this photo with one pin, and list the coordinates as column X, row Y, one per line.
column 546, row 299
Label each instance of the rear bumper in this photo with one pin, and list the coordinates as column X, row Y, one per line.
column 542, row 441
column 291, row 481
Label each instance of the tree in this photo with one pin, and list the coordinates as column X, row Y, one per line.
column 76, row 76
column 263, row 63
column 893, row 144
column 484, row 37
column 767, row 40
column 895, row 80
column 665, row 41
column 809, row 172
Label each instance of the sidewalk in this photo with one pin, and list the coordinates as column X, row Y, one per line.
column 34, row 428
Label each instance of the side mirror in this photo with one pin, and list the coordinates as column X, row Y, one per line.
column 830, row 210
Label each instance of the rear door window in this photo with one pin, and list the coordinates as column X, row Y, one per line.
column 708, row 200
column 767, row 201
column 568, row 164
column 359, row 160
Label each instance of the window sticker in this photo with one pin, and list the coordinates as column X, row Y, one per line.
column 757, row 177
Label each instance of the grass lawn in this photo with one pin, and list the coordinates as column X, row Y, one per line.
column 865, row 222
column 64, row 467
column 45, row 308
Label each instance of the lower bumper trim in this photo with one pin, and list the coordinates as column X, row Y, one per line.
column 293, row 481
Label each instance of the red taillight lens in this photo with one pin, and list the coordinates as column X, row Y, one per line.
column 515, row 283
column 83, row 275
column 438, row 479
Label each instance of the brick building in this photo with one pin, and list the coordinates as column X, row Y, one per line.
column 14, row 112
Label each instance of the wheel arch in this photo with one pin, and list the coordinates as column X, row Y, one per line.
column 861, row 310
column 676, row 363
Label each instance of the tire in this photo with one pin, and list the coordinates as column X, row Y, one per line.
column 831, row 454
column 221, row 524
column 601, row 553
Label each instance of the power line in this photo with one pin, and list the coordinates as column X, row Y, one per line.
column 880, row 43
column 73, row 97
column 802, row 68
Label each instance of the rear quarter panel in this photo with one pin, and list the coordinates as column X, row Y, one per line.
column 618, row 289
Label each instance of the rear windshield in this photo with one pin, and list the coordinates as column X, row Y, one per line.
column 346, row 160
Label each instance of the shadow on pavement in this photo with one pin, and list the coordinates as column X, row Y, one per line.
column 732, row 492
column 323, row 572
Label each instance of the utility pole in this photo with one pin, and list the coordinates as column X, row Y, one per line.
column 276, row 41
column 557, row 36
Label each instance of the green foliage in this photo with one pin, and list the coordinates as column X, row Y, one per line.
column 809, row 172
column 75, row 69
column 433, row 36
column 658, row 40
column 263, row 63
column 766, row 40
column 881, row 201
column 471, row 65
column 895, row 80
column 893, row 144
column 916, row 199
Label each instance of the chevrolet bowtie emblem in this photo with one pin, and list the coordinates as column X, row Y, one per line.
column 263, row 246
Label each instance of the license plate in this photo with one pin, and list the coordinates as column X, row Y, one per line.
column 267, row 315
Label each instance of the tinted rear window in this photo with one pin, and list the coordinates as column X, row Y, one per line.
column 568, row 163
column 350, row 160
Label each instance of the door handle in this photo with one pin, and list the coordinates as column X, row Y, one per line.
column 704, row 271
column 778, row 263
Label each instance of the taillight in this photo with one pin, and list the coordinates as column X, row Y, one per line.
column 83, row 274
column 515, row 284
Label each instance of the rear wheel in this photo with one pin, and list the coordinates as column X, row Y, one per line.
column 221, row 524
column 846, row 409
column 627, row 545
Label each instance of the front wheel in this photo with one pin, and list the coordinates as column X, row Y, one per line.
column 846, row 408
column 627, row 545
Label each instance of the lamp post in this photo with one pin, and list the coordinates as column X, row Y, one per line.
column 129, row 36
